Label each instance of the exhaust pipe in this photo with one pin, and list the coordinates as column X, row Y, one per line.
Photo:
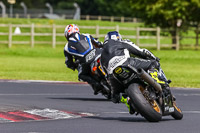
column 147, row 78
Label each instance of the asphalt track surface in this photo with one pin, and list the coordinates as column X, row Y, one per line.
column 106, row 117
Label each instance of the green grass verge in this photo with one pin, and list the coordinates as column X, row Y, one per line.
column 41, row 63
column 46, row 63
column 182, row 67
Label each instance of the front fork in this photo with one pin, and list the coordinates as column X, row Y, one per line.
column 166, row 101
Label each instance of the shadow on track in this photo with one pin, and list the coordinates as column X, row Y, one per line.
column 123, row 119
column 81, row 99
column 127, row 119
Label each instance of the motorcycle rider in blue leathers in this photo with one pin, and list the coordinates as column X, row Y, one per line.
column 79, row 52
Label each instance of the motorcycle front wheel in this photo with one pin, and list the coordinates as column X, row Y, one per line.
column 150, row 110
column 177, row 114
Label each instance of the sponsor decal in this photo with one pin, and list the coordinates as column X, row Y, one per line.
column 72, row 47
column 90, row 55
column 118, row 70
column 116, row 61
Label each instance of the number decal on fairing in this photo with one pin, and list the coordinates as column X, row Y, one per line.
column 90, row 55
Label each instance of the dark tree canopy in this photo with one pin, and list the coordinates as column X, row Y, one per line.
column 167, row 13
column 163, row 13
column 88, row 7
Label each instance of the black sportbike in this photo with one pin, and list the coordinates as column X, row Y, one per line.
column 147, row 97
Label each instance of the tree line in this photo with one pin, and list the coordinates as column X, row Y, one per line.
column 174, row 14
column 164, row 13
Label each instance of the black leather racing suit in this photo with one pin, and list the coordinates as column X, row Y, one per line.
column 116, row 53
column 82, row 47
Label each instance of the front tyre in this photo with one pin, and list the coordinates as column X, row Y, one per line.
column 177, row 114
column 148, row 109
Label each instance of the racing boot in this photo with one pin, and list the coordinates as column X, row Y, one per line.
column 126, row 100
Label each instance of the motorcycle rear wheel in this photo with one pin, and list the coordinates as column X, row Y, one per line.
column 177, row 114
column 150, row 110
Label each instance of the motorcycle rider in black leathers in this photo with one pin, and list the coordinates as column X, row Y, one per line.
column 80, row 51
column 118, row 52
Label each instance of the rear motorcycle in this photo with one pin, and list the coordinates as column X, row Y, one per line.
column 99, row 75
column 147, row 97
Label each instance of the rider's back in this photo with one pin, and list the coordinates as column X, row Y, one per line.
column 111, row 49
column 81, row 47
column 79, row 44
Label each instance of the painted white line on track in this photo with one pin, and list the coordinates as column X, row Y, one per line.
column 192, row 112
column 42, row 81
column 2, row 120
column 194, row 94
column 176, row 88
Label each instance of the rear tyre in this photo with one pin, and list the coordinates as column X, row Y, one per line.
column 177, row 114
column 150, row 110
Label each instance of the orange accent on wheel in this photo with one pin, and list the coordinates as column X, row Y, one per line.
column 174, row 104
column 156, row 106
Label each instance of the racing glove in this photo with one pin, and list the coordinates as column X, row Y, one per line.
column 148, row 54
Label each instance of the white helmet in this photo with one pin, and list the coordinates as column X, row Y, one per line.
column 71, row 28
